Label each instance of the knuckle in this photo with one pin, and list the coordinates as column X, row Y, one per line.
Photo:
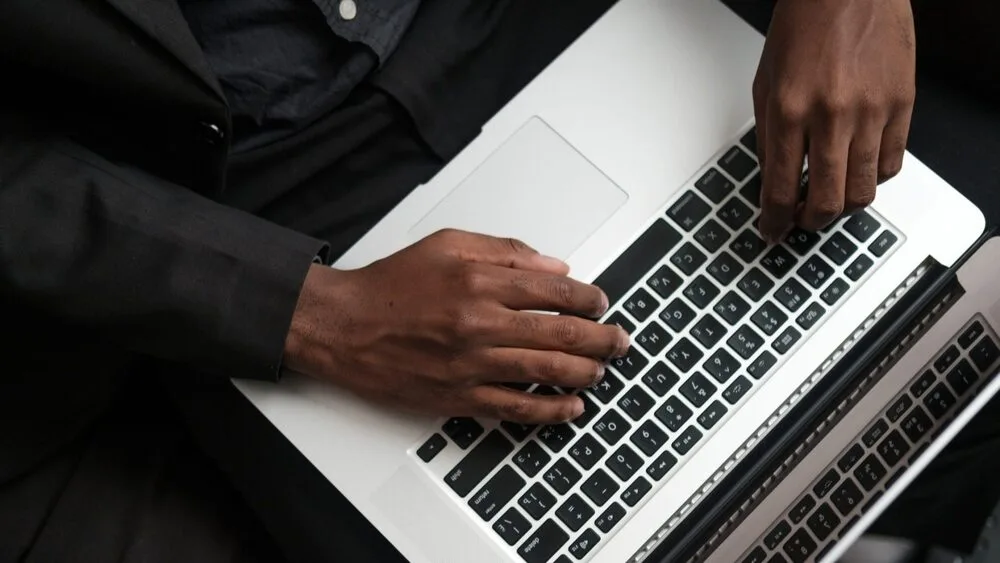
column 567, row 333
column 552, row 367
column 861, row 198
column 517, row 409
column 836, row 103
column 561, row 292
column 514, row 245
column 778, row 199
column 792, row 110
column 828, row 209
column 889, row 171
column 468, row 325
column 474, row 280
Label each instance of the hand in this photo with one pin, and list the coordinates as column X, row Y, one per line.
column 836, row 82
column 439, row 326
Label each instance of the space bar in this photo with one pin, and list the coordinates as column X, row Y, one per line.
column 644, row 253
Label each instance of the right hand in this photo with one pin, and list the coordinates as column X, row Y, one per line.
column 438, row 327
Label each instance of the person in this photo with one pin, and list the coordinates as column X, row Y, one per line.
column 176, row 176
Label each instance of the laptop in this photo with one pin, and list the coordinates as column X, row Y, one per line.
column 631, row 158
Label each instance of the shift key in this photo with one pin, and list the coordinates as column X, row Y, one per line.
column 478, row 463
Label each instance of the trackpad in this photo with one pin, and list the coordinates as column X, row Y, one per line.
column 536, row 187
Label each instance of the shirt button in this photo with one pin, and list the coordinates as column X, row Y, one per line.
column 348, row 9
column 211, row 132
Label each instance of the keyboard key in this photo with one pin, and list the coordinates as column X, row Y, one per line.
column 610, row 517
column 478, row 463
column 701, row 291
column 810, row 316
column 778, row 262
column 755, row 284
column 606, row 390
column 612, row 427
column 587, row 451
column 637, row 259
column 721, row 365
column 544, row 543
column 708, row 331
column 582, row 545
column 757, row 555
column 962, row 377
column 899, row 408
column 590, row 410
column 653, row 339
column 834, row 292
column 970, row 335
column 847, row 497
column 688, row 258
column 748, row 246
column 916, row 424
column 664, row 282
column 731, row 308
column 673, row 414
column 687, row 440
column 518, row 431
column 870, row 472
column 769, row 318
column 631, row 363
column 893, row 448
column 850, row 458
column 751, row 190
column 599, row 487
column 649, row 438
column 556, row 437
column 634, row 492
column 736, row 390
column 512, row 526
column 862, row 226
column 786, row 340
column 737, row 163
column 431, row 448
column 661, row 465
column 735, row 213
column 923, row 384
column 537, row 501
column 838, row 249
column 826, row 483
column 801, row 509
column 635, row 403
column 531, row 459
column 624, row 462
column 712, row 415
column 815, row 271
column 745, row 342
column 725, row 268
column 575, row 512
column 777, row 534
column 641, row 304
column 777, row 558
column 697, row 389
column 684, row 355
column 801, row 242
column 714, row 185
column 463, row 431
column 939, row 401
column 985, row 353
column 859, row 267
column 712, row 236
column 562, row 476
column 823, row 522
column 792, row 295
column 875, row 433
column 660, row 379
column 800, row 546
column 763, row 364
column 617, row 318
column 677, row 315
column 689, row 211
column 882, row 244
column 496, row 493
column 749, row 140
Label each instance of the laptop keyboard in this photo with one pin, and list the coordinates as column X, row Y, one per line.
column 867, row 467
column 712, row 311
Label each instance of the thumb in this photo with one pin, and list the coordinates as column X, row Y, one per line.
column 502, row 251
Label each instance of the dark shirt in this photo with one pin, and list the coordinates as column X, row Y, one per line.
column 285, row 63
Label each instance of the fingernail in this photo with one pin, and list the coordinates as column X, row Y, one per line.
column 577, row 409
column 554, row 263
column 601, row 370
column 623, row 343
column 604, row 305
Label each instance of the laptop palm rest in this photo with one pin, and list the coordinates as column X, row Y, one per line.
column 533, row 186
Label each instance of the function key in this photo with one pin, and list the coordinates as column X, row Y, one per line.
column 673, row 414
column 512, row 526
column 800, row 546
column 763, row 364
column 599, row 487
column 708, row 331
column 732, row 308
column 697, row 390
column 801, row 242
column 544, row 543
column 815, row 271
column 810, row 316
column 610, row 517
column 734, row 213
column 531, row 459
column 590, row 410
column 749, row 140
column 721, row 365
column 635, row 402
column 496, row 493
column 751, row 190
column 637, row 259
column 582, row 545
column 517, row 430
column 792, row 295
column 882, row 244
column 920, row 386
column 712, row 415
column 689, row 211
column 850, row 458
column 777, row 534
column 612, row 427
column 562, row 476
column 714, row 185
column 608, row 387
column 688, row 258
column 859, row 267
column 557, row 436
column 653, row 339
column 778, row 262
column 947, row 358
column 712, row 236
column 634, row 492
column 587, row 451
column 665, row 282
column 985, row 353
column 748, row 246
column 701, row 291
column 684, row 355
column 737, row 163
column 630, row 364
column 478, row 463
column 725, row 268
column 463, row 431
column 431, row 448
column 575, row 512
column 755, row 284
column 617, row 318
column 899, row 408
column 870, row 472
column 786, row 340
column 916, row 424
column 939, row 401
column 970, row 335
column 893, row 448
column 823, row 522
column 874, row 433
column 834, row 292
column 826, row 483
column 661, row 466
column 649, row 438
column 745, row 342
column 683, row 444
column 802, row 509
column 537, row 501
column 641, row 304
column 847, row 497
column 660, row 379
column 838, row 249
column 736, row 390
column 769, row 318
column 862, row 226
column 677, row 315
column 624, row 462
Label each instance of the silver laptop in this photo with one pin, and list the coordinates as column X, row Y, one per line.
column 629, row 157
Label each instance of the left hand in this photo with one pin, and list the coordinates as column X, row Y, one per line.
column 836, row 82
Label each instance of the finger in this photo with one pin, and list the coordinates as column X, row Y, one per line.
column 494, row 401
column 564, row 333
column 519, row 365
column 893, row 145
column 523, row 290
column 862, row 166
column 784, row 154
column 829, row 144
column 505, row 252
column 760, row 94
